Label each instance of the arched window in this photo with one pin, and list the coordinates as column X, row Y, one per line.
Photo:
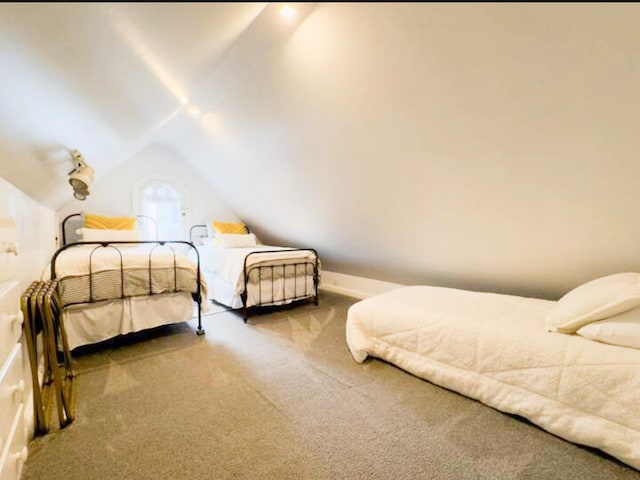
column 161, row 201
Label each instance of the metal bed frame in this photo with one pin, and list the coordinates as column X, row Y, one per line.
column 113, row 244
column 257, row 270
column 146, row 218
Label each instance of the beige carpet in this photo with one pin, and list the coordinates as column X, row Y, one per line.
column 281, row 398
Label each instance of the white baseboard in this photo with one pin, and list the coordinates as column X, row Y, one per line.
column 352, row 286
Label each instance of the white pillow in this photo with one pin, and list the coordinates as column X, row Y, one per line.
column 595, row 300
column 235, row 240
column 622, row 329
column 106, row 235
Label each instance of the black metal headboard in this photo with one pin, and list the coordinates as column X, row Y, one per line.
column 70, row 224
column 197, row 232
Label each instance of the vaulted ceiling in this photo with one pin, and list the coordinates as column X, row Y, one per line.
column 489, row 146
column 105, row 78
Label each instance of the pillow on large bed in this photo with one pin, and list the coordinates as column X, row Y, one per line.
column 595, row 300
column 622, row 329
column 107, row 235
column 108, row 223
column 232, row 240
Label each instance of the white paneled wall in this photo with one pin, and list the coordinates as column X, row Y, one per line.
column 34, row 234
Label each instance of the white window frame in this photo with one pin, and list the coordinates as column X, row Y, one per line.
column 185, row 199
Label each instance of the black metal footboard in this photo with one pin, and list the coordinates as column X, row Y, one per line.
column 290, row 271
column 197, row 295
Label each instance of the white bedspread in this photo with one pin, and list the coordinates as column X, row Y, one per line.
column 495, row 348
column 92, row 323
column 94, row 311
column 75, row 261
column 228, row 263
column 223, row 269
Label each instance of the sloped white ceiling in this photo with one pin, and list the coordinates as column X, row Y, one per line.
column 100, row 78
column 471, row 145
column 489, row 146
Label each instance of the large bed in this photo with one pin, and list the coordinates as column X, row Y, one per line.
column 111, row 287
column 249, row 277
column 497, row 349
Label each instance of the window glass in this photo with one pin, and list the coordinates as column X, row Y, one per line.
column 161, row 201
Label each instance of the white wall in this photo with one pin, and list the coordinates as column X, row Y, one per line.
column 357, row 287
column 36, row 236
column 114, row 195
column 486, row 146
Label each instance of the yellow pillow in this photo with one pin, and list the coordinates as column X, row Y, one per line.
column 109, row 223
column 238, row 228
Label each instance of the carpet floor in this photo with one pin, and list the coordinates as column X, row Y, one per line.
column 281, row 398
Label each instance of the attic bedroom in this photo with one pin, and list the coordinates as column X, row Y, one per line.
column 319, row 240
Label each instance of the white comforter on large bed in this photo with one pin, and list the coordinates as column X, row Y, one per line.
column 91, row 273
column 495, row 348
column 78, row 261
column 108, row 314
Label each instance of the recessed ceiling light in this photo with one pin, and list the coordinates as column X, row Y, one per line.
column 193, row 110
column 211, row 123
column 288, row 12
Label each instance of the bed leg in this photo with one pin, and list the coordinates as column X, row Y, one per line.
column 199, row 330
column 316, row 282
column 243, row 296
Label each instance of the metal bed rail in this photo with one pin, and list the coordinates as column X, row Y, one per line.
column 197, row 232
column 273, row 269
column 157, row 243
column 195, row 237
column 145, row 218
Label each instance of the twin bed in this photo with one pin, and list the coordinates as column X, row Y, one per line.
column 112, row 283
column 497, row 349
column 245, row 275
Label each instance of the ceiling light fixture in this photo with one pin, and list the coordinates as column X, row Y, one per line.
column 211, row 123
column 288, row 12
column 81, row 176
column 193, row 110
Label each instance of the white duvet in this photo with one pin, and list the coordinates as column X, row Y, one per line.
column 224, row 270
column 95, row 322
column 228, row 263
column 495, row 348
column 88, row 323
column 76, row 261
